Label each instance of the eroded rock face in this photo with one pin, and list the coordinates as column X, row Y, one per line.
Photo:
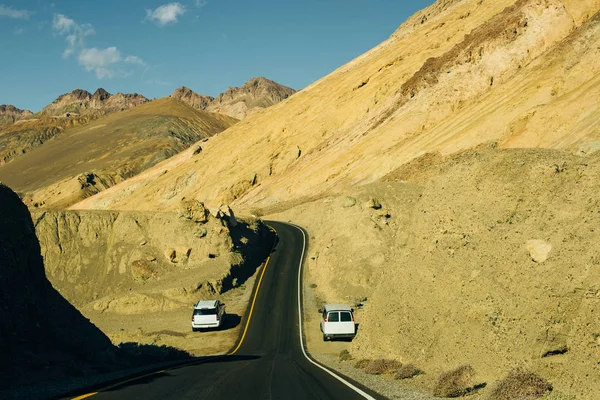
column 38, row 327
column 10, row 114
column 83, row 102
column 237, row 102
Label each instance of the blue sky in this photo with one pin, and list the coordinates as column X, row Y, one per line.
column 152, row 47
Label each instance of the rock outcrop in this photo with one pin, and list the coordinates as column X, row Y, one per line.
column 39, row 329
column 10, row 114
column 191, row 98
column 254, row 95
column 101, row 102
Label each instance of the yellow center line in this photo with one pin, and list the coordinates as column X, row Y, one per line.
column 252, row 306
column 85, row 396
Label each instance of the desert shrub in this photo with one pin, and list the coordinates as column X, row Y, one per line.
column 520, row 385
column 345, row 355
column 382, row 366
column 455, row 383
column 362, row 363
column 407, row 371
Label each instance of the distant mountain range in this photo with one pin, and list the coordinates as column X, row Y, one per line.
column 80, row 102
column 255, row 95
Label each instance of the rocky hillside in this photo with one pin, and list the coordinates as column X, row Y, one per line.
column 488, row 257
column 10, row 114
column 80, row 102
column 87, row 158
column 506, row 73
column 135, row 273
column 191, row 98
column 42, row 336
column 22, row 137
column 254, row 95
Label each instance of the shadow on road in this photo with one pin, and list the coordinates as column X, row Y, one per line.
column 171, row 372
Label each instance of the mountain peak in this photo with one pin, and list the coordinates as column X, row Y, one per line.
column 101, row 94
column 253, row 96
column 101, row 102
column 191, row 98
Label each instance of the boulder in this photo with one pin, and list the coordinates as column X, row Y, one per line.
column 538, row 250
column 349, row 202
column 194, row 210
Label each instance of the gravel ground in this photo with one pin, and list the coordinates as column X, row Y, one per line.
column 384, row 385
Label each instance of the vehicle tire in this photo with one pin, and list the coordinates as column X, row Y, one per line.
column 195, row 329
column 324, row 338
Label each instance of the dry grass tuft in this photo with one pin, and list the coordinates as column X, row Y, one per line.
column 520, row 385
column 455, row 383
column 407, row 371
column 362, row 363
column 382, row 366
column 345, row 355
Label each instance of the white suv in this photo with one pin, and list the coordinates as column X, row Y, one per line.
column 337, row 321
column 208, row 314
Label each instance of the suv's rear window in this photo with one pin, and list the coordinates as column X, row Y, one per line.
column 346, row 317
column 206, row 311
column 334, row 316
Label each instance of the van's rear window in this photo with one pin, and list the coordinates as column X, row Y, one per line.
column 346, row 317
column 334, row 316
column 206, row 311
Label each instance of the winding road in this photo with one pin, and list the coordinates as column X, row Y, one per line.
column 269, row 362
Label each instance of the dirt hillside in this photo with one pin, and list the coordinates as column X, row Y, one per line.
column 85, row 159
column 512, row 74
column 136, row 275
column 488, row 258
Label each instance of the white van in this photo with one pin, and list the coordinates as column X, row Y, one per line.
column 208, row 314
column 337, row 321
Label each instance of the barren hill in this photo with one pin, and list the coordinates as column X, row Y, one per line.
column 10, row 114
column 254, row 95
column 88, row 158
column 505, row 73
column 100, row 103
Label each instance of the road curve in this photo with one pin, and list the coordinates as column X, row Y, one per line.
column 269, row 363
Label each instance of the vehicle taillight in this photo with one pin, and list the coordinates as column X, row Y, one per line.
column 217, row 317
column 352, row 317
column 327, row 319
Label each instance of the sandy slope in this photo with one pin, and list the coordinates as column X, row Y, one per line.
column 88, row 158
column 514, row 74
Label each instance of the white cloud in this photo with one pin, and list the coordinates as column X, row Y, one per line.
column 102, row 62
column 76, row 33
column 166, row 14
column 8, row 11
column 19, row 31
column 135, row 60
column 62, row 24
column 200, row 3
column 105, row 63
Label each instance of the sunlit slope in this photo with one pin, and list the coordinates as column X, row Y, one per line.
column 456, row 75
column 88, row 158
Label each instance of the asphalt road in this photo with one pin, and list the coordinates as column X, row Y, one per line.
column 269, row 363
